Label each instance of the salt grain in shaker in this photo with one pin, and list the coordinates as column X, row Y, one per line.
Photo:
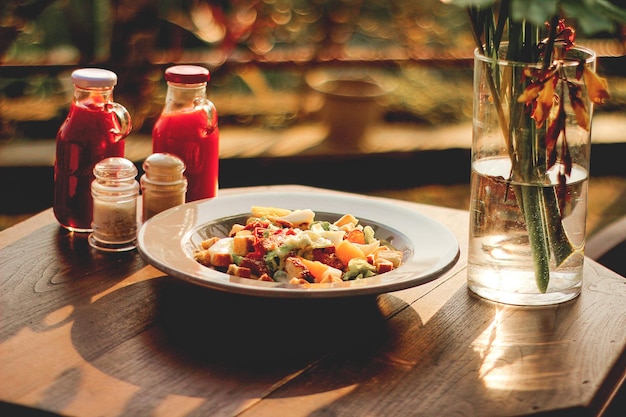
column 114, row 192
column 163, row 185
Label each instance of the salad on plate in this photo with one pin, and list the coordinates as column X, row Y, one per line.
column 291, row 246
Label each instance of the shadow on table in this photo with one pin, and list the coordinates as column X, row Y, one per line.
column 182, row 339
column 51, row 288
column 245, row 331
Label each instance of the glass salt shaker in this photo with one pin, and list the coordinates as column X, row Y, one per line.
column 114, row 193
column 163, row 185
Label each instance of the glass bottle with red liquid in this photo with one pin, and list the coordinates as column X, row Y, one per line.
column 188, row 129
column 94, row 129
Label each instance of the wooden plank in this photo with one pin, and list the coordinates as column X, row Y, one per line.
column 469, row 357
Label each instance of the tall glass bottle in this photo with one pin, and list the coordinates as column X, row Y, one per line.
column 94, row 129
column 188, row 129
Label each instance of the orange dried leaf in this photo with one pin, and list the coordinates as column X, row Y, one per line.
column 529, row 94
column 544, row 103
column 578, row 105
column 597, row 87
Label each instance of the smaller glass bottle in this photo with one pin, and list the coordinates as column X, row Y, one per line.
column 188, row 128
column 163, row 185
column 114, row 193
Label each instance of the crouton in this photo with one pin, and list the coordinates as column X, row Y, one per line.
column 383, row 265
column 266, row 277
column 239, row 271
column 204, row 257
column 235, row 229
column 394, row 256
column 243, row 244
column 206, row 244
column 221, row 259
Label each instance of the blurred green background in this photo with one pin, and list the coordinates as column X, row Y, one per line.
column 259, row 52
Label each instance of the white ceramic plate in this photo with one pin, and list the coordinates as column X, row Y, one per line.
column 168, row 241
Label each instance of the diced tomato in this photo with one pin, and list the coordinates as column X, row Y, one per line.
column 257, row 224
column 274, row 240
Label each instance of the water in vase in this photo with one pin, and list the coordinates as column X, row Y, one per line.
column 500, row 261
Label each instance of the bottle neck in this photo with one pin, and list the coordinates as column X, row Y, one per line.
column 180, row 97
column 97, row 96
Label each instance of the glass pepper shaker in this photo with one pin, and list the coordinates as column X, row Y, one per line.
column 188, row 129
column 94, row 129
column 114, row 192
column 163, row 184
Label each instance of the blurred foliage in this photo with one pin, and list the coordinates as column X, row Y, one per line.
column 591, row 16
column 257, row 50
column 100, row 31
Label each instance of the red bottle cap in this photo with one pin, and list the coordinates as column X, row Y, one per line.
column 93, row 77
column 187, row 74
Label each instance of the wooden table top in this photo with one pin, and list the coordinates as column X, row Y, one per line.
column 84, row 333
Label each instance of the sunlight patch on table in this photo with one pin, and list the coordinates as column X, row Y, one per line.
column 509, row 366
column 308, row 404
column 59, row 316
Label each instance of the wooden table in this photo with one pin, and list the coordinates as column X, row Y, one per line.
column 84, row 333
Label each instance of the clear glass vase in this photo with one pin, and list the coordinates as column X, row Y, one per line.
column 528, row 202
